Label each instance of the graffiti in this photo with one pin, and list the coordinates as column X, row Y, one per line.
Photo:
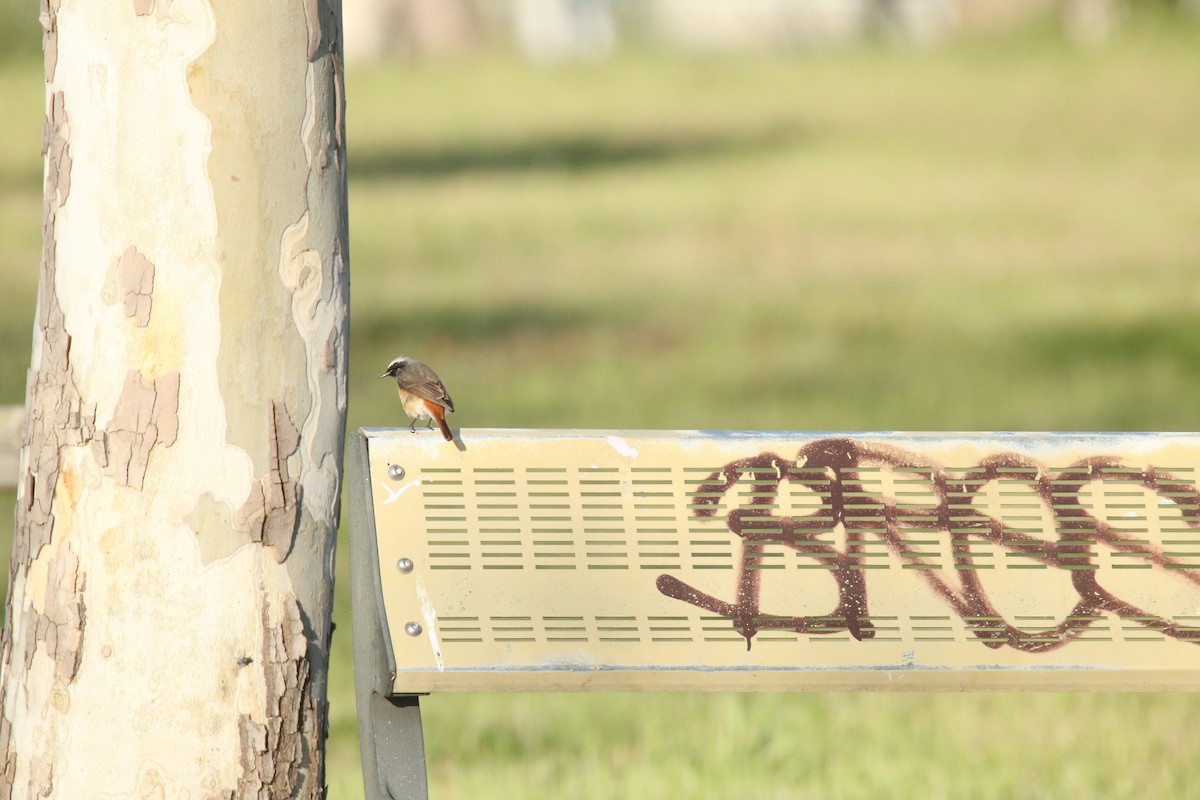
column 834, row 470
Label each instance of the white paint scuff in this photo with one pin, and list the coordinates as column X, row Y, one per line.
column 393, row 496
column 623, row 447
column 430, row 616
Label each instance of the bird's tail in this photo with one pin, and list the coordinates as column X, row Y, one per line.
column 441, row 421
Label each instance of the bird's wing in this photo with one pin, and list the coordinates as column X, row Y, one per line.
column 424, row 383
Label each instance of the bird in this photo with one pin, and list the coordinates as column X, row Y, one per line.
column 422, row 393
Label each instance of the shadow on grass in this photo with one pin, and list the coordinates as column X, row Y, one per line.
column 1170, row 338
column 469, row 325
column 582, row 152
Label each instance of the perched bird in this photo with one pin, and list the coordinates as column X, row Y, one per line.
column 421, row 393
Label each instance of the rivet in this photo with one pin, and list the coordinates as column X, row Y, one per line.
column 395, row 471
column 413, row 628
column 405, row 565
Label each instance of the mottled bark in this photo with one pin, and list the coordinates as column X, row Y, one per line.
column 167, row 628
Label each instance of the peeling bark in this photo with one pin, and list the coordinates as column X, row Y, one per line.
column 49, row 19
column 51, row 400
column 56, row 149
column 137, row 285
column 275, row 752
column 271, row 514
column 56, row 418
column 64, row 615
column 280, row 495
column 147, row 414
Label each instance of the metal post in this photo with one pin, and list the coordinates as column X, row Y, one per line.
column 389, row 727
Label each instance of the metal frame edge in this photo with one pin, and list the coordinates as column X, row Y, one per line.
column 390, row 734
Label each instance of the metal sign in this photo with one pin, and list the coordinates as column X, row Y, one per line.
column 542, row 560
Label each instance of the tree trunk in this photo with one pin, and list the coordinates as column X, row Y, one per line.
column 168, row 618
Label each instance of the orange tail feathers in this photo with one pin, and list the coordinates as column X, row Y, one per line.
column 439, row 415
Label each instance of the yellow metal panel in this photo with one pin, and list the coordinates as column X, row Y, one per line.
column 546, row 560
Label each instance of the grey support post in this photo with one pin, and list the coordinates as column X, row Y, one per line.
column 389, row 727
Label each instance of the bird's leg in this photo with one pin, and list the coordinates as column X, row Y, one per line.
column 429, row 423
column 412, row 428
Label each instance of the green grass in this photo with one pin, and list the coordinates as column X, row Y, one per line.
column 995, row 235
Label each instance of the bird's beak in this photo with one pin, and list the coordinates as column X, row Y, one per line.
column 385, row 375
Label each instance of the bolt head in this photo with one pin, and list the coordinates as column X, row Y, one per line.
column 405, row 565
column 413, row 628
column 395, row 471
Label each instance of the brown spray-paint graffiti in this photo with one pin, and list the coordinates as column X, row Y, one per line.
column 833, row 469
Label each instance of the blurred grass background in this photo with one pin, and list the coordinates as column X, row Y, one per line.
column 998, row 233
